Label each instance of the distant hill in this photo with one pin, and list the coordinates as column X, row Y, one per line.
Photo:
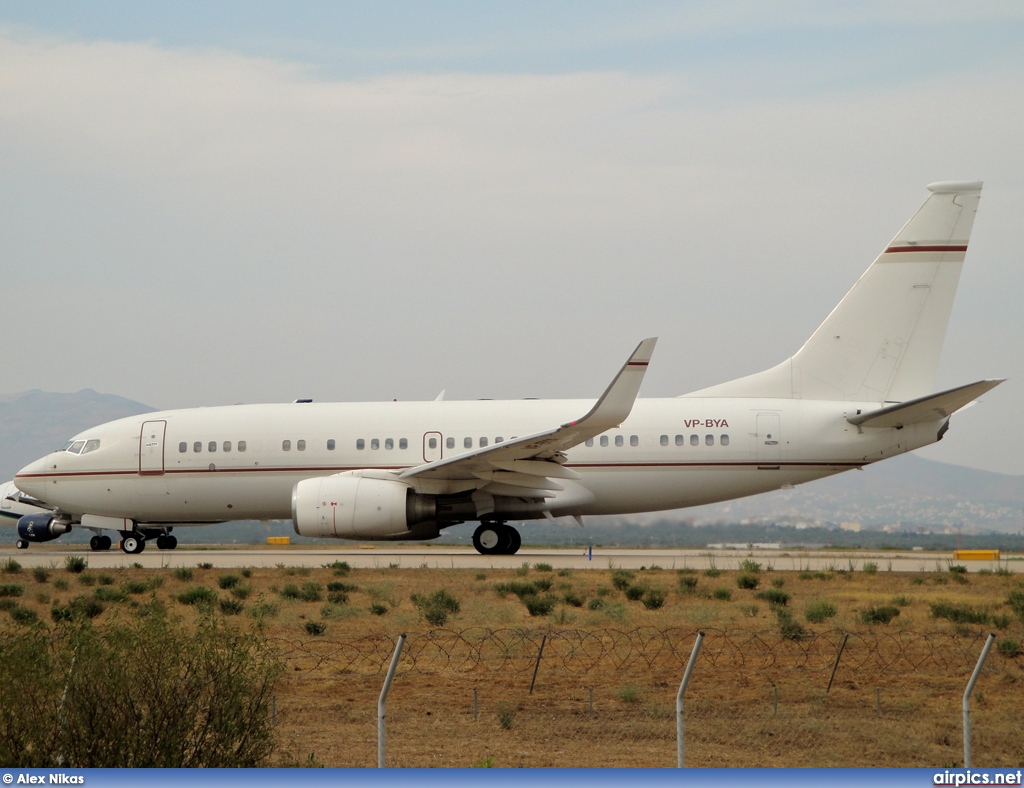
column 909, row 491
column 35, row 422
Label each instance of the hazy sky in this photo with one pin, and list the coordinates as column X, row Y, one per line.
column 209, row 203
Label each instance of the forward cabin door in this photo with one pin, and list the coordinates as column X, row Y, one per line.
column 151, row 448
column 431, row 446
column 769, row 442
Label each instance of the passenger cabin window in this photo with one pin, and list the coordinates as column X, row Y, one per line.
column 634, row 440
column 212, row 446
column 286, row 445
column 432, row 443
column 709, row 440
column 241, row 445
column 724, row 440
column 618, row 440
column 375, row 443
column 604, row 440
column 227, row 445
column 91, row 446
column 448, row 442
column 499, row 439
column 389, row 443
column 183, row 447
column 483, row 442
column 589, row 442
column 300, row 445
column 680, row 440
column 360, row 444
column 330, row 444
column 403, row 443
column 197, row 447
column 467, row 443
column 664, row 440
column 695, row 440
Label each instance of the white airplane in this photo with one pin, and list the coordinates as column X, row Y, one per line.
column 859, row 390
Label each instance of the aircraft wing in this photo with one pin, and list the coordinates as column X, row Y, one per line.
column 931, row 408
column 530, row 465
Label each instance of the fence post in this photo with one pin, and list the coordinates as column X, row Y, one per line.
column 537, row 666
column 839, row 656
column 680, row 762
column 381, row 733
column 967, row 699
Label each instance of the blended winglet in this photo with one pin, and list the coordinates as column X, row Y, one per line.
column 614, row 405
column 934, row 407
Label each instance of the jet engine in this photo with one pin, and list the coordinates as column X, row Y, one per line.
column 41, row 528
column 353, row 506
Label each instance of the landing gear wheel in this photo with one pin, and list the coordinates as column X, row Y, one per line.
column 96, row 543
column 487, row 538
column 515, row 541
column 165, row 542
column 105, row 543
column 133, row 544
column 22, row 544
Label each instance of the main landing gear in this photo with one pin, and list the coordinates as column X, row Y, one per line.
column 100, row 542
column 496, row 538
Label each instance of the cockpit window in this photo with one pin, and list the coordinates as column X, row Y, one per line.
column 66, row 446
column 76, row 447
column 91, row 445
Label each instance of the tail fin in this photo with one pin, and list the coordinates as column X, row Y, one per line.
column 882, row 342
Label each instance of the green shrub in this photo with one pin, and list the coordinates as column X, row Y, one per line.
column 870, row 568
column 205, row 565
column 879, row 615
column 543, row 583
column 1015, row 599
column 750, row 611
column 628, row 694
column 1000, row 620
column 506, row 715
column 108, row 594
column 635, row 592
column 241, row 591
column 87, row 579
column 958, row 569
column 290, row 591
column 40, row 574
column 337, row 597
column 61, row 584
column 24, row 615
column 197, row 595
column 79, row 608
column 436, row 606
column 712, row 572
column 480, row 576
column 136, row 587
column 622, row 579
column 723, row 594
column 596, row 603
column 230, row 607
column 687, row 583
column 11, row 589
column 246, row 572
column 378, row 609
column 7, row 604
column 778, row 582
column 523, row 570
column 518, row 587
column 75, row 564
column 337, row 585
column 228, row 581
column 573, row 599
column 773, row 596
column 654, row 599
column 261, row 609
column 1009, row 647
column 789, row 627
column 819, row 610
column 340, row 568
column 748, row 565
column 900, row 601
column 543, row 567
column 539, row 605
column 183, row 573
column 10, row 567
column 959, row 614
column 315, row 628
column 331, row 610
column 747, row 580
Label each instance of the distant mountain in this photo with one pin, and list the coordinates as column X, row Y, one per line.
column 35, row 422
column 906, row 492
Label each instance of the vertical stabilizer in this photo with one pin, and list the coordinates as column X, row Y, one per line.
column 882, row 342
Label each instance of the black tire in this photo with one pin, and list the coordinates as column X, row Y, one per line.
column 95, row 543
column 161, row 542
column 22, row 544
column 488, row 538
column 133, row 544
column 515, row 541
column 106, row 543
column 172, row 542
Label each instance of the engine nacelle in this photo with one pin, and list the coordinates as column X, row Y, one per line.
column 41, row 528
column 353, row 506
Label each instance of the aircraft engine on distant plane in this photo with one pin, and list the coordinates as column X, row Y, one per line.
column 40, row 528
column 353, row 506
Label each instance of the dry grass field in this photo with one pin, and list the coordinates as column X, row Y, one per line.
column 614, row 645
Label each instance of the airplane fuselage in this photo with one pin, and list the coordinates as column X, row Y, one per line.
column 241, row 462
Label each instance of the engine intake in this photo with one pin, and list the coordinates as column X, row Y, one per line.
column 41, row 528
column 352, row 506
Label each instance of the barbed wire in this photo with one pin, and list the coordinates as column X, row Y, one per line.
column 582, row 651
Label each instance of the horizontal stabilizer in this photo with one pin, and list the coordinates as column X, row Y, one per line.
column 934, row 407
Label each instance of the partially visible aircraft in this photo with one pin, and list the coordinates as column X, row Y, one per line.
column 860, row 390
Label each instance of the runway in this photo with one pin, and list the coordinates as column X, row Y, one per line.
column 419, row 557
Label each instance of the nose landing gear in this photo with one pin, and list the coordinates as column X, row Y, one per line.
column 496, row 538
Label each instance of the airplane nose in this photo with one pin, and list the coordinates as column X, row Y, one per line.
column 30, row 479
